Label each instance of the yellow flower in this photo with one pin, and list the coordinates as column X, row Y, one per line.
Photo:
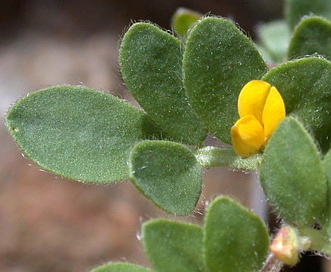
column 260, row 108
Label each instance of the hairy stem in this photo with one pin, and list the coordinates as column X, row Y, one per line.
column 272, row 264
column 211, row 156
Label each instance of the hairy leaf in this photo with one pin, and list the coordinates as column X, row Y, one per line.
column 173, row 246
column 234, row 238
column 78, row 133
column 296, row 9
column 275, row 37
column 311, row 37
column 183, row 20
column 167, row 173
column 292, row 175
column 151, row 65
column 218, row 61
column 305, row 87
column 327, row 169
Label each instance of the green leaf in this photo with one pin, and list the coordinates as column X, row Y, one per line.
column 292, row 175
column 151, row 65
column 327, row 169
column 234, row 238
column 296, row 9
column 78, row 133
column 120, row 267
column 327, row 166
column 218, row 61
column 319, row 241
column 311, row 36
column 183, row 20
column 275, row 37
column 173, row 246
column 305, row 87
column 167, row 173
column 265, row 53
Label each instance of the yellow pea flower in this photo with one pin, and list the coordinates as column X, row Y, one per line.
column 260, row 108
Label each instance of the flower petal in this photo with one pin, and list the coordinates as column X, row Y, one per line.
column 252, row 98
column 274, row 112
column 247, row 136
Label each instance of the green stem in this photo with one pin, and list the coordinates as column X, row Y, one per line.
column 211, row 156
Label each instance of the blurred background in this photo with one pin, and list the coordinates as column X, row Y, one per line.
column 55, row 225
